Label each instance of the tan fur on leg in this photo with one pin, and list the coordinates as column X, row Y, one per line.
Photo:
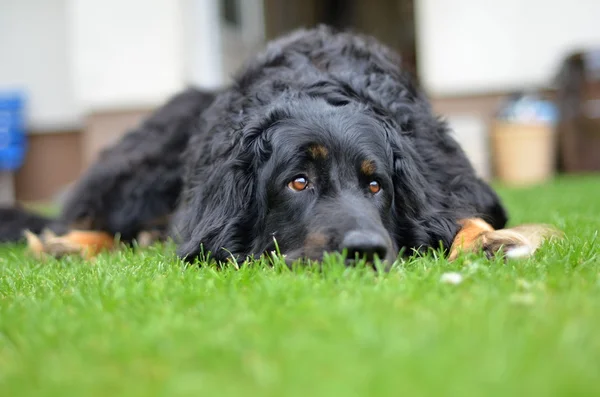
column 516, row 242
column 469, row 237
column 519, row 241
column 84, row 243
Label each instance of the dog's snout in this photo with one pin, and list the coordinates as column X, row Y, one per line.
column 365, row 245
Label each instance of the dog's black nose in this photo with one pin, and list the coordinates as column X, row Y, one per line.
column 365, row 245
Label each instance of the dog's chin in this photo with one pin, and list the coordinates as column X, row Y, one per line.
column 302, row 258
column 299, row 258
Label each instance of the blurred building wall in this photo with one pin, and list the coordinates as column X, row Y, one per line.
column 202, row 42
column 93, row 69
column 125, row 54
column 35, row 58
column 127, row 57
column 471, row 47
column 473, row 53
column 54, row 160
column 34, row 53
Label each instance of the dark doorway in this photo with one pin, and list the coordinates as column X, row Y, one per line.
column 391, row 21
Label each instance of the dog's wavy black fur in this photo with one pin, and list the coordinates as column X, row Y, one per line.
column 330, row 107
column 135, row 184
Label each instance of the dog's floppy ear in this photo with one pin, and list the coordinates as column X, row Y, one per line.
column 214, row 217
column 423, row 220
column 219, row 214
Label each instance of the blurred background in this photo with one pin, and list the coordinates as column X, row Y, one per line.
column 517, row 79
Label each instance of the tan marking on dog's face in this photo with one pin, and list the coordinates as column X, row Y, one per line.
column 367, row 167
column 315, row 243
column 318, row 152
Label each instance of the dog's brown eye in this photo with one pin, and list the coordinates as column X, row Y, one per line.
column 374, row 187
column 298, row 184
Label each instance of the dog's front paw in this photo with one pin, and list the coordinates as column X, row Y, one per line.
column 517, row 242
column 521, row 241
column 470, row 237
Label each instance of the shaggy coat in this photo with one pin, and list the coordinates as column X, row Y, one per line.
column 346, row 94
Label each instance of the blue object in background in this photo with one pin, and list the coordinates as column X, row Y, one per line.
column 13, row 142
column 528, row 108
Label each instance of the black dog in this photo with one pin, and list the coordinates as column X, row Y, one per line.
column 321, row 144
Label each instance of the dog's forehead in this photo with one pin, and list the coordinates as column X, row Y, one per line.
column 325, row 134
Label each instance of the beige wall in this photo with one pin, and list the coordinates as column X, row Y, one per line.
column 105, row 128
column 34, row 57
column 480, row 46
column 125, row 54
column 53, row 160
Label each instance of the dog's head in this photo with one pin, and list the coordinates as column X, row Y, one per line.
column 309, row 177
column 327, row 185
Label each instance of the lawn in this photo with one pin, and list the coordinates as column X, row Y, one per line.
column 140, row 324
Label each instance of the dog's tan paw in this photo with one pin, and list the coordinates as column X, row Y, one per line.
column 469, row 237
column 84, row 243
column 35, row 245
column 519, row 241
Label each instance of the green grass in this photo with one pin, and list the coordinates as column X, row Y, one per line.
column 139, row 324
